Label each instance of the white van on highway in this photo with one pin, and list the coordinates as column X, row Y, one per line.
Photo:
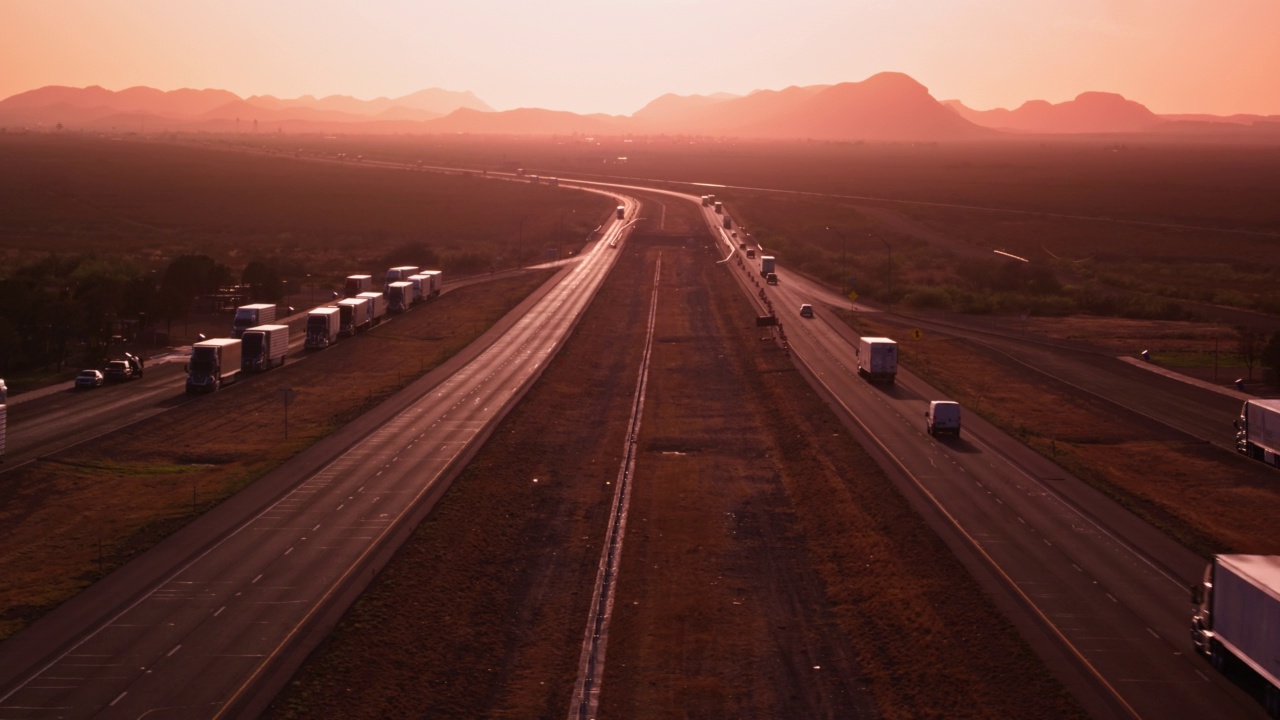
column 943, row 416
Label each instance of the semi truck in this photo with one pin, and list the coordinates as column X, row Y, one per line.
column 877, row 359
column 421, row 284
column 719, row 206
column 214, row 363
column 400, row 272
column 1258, row 431
column 248, row 316
column 622, row 211
column 322, row 327
column 377, row 306
column 727, row 222
column 435, row 283
column 766, row 265
column 1235, row 618
column 354, row 314
column 357, row 284
column 263, row 347
column 399, row 296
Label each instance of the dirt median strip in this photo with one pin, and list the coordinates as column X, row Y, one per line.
column 771, row 570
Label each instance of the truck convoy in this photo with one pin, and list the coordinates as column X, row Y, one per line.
column 322, row 328
column 357, row 284
column 214, row 363
column 377, row 306
column 877, row 359
column 263, row 347
column 1236, row 617
column 399, row 296
column 1258, row 431
column 248, row 316
column 354, row 314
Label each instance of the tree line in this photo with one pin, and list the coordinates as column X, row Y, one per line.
column 59, row 308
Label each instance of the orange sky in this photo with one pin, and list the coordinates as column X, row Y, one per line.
column 1217, row 56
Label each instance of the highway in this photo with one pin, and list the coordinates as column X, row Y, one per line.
column 1106, row 589
column 233, row 611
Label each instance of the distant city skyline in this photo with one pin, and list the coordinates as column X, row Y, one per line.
column 584, row 56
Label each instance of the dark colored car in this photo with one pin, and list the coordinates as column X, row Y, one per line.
column 118, row 371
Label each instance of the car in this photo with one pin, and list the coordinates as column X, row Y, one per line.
column 89, row 379
column 118, row 371
column 806, row 310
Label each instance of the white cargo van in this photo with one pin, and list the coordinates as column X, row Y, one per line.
column 942, row 417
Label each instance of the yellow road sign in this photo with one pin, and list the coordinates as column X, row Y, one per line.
column 916, row 334
column 853, row 295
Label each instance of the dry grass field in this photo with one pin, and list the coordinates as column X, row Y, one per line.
column 151, row 200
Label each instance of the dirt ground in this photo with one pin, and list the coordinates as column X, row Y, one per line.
column 770, row 569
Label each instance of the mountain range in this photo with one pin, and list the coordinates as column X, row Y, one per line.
column 887, row 107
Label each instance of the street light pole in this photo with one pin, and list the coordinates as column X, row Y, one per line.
column 889, row 300
column 843, row 271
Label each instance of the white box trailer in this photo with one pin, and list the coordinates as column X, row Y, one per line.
column 399, row 296
column 264, row 347
column 214, row 363
column 323, row 325
column 1258, row 431
column 1236, row 615
column 877, row 359
column 421, row 284
column 377, row 306
column 354, row 313
column 436, row 279
column 400, row 272
column 248, row 316
column 357, row 284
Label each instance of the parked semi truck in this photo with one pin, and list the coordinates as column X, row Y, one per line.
column 322, row 327
column 248, row 316
column 877, row 359
column 399, row 296
column 354, row 314
column 357, row 284
column 766, row 265
column 398, row 273
column 421, row 285
column 1235, row 619
column 377, row 306
column 1258, row 431
column 435, row 283
column 263, row 347
column 214, row 363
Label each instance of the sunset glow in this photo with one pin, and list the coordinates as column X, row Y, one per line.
column 583, row 56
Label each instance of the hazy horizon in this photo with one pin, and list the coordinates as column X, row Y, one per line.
column 1191, row 56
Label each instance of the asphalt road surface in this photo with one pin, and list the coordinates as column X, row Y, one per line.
column 232, row 613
